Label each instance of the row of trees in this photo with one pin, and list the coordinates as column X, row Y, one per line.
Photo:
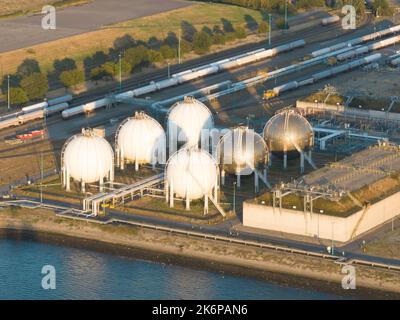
column 274, row 5
column 380, row 7
column 28, row 83
column 127, row 55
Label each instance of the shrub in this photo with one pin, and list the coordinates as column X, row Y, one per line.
column 28, row 67
column 167, row 52
column 280, row 23
column 65, row 64
column 35, row 85
column 136, row 56
column 17, row 96
column 263, row 27
column 154, row 56
column 201, row 42
column 240, row 32
column 15, row 80
column 98, row 73
column 72, row 78
column 218, row 38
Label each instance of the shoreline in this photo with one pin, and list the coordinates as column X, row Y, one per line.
column 184, row 257
column 163, row 258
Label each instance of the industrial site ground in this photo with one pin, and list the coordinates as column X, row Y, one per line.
column 23, row 164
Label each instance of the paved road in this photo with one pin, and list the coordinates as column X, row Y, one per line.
column 26, row 31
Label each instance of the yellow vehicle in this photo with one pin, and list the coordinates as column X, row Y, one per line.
column 269, row 94
column 262, row 73
column 332, row 61
column 107, row 205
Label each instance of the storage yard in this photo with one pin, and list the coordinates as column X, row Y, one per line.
column 137, row 150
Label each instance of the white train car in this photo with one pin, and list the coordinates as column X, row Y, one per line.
column 34, row 107
column 56, row 108
column 85, row 108
column 59, row 100
column 330, row 20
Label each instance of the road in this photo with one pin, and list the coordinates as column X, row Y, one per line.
column 78, row 19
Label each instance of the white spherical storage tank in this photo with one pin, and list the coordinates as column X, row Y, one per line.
column 191, row 174
column 185, row 122
column 140, row 139
column 87, row 158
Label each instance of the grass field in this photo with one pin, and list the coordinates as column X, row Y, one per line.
column 11, row 8
column 78, row 47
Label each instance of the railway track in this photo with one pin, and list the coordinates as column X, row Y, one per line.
column 161, row 74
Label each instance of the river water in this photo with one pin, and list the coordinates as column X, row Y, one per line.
column 84, row 274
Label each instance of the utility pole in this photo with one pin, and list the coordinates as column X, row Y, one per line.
column 234, row 197
column 179, row 46
column 286, row 15
column 332, row 249
column 120, row 73
column 41, row 177
column 269, row 29
column 8, row 92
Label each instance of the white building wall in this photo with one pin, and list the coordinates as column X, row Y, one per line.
column 321, row 225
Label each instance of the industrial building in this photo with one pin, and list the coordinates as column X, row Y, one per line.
column 339, row 201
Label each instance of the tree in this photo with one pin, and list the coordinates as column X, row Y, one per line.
column 167, row 52
column 18, row 96
column 65, row 64
column 381, row 8
column 201, row 42
column 359, row 5
column 110, row 69
column 154, row 56
column 263, row 27
column 99, row 73
column 113, row 68
column 15, row 80
column 240, row 32
column 136, row 56
column 280, row 23
column 27, row 67
column 35, row 85
column 72, row 78
column 218, row 38
column 123, row 43
column 171, row 40
column 97, row 59
column 185, row 47
column 308, row 4
column 126, row 67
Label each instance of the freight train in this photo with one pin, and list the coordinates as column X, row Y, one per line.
column 36, row 111
column 357, row 41
column 187, row 75
column 322, row 75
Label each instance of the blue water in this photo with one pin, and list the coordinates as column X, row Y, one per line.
column 83, row 274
